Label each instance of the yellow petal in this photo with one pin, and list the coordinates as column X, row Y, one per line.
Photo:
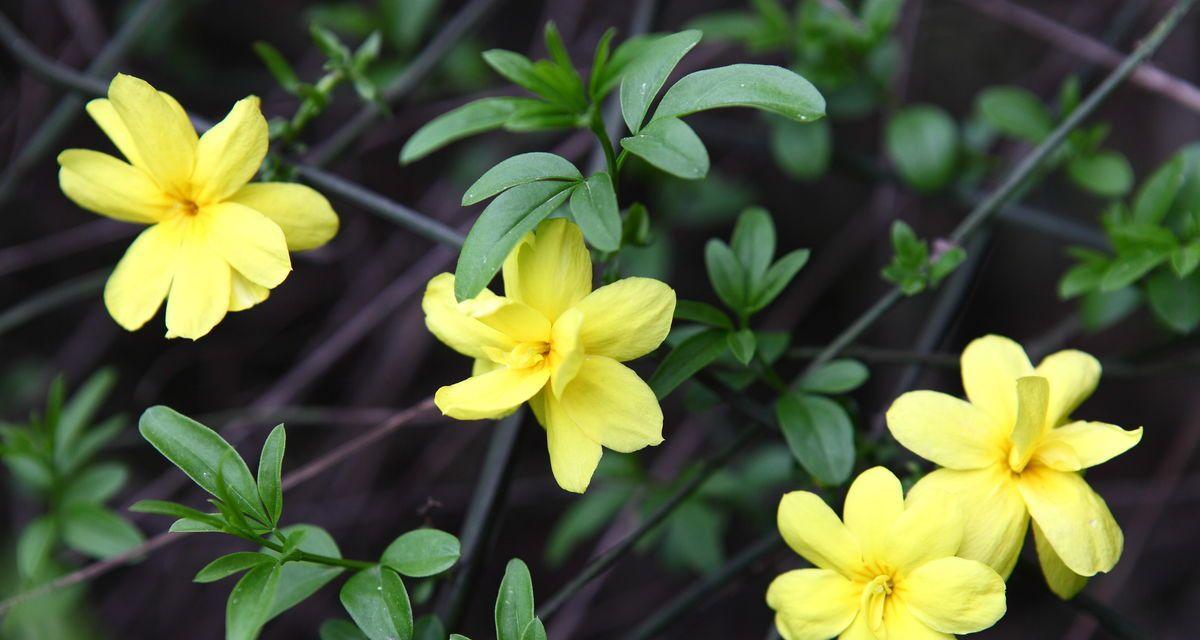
column 306, row 217
column 628, row 318
column 993, row 511
column 244, row 294
column 490, row 395
column 553, row 271
column 813, row 530
column 873, row 503
column 200, row 292
column 1073, row 376
column 249, row 241
column 1033, row 395
column 573, row 455
column 142, row 279
column 1075, row 521
column 930, row 527
column 1065, row 583
column 812, row 604
column 513, row 318
column 104, row 114
column 229, row 154
column 990, row 368
column 567, row 355
column 1079, row 445
column 944, row 430
column 858, row 630
column 953, row 595
column 899, row 622
column 163, row 136
column 103, row 184
column 613, row 406
column 457, row 330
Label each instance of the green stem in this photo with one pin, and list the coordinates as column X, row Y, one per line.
column 610, row 155
column 304, row 556
column 309, row 109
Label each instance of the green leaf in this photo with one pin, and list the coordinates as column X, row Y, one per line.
column 523, row 72
column 519, row 170
column 278, row 66
column 726, row 274
column 741, row 345
column 777, row 278
column 703, row 313
column 583, row 519
column 535, row 115
column 90, row 442
column 501, row 225
column 429, row 627
column 922, row 142
column 686, row 360
column 1101, row 309
column 1015, row 112
column 835, row 377
column 820, row 435
column 880, row 15
column 753, row 243
column 377, row 601
column 329, row 44
column 98, row 532
column 1185, row 259
column 95, row 484
column 338, row 629
column 250, row 602
column 635, row 228
column 270, row 470
column 230, row 564
column 470, row 119
column 945, row 264
column 201, row 453
column 1174, row 300
column 769, row 88
column 368, row 51
column 422, row 553
column 175, row 510
column 1106, row 174
column 622, row 57
column 514, row 601
column 801, row 150
column 1154, row 198
column 1126, row 270
column 35, row 546
column 670, row 145
column 535, row 630
column 1081, row 279
column 190, row 525
column 645, row 75
column 594, row 208
column 599, row 65
column 79, row 412
column 299, row 580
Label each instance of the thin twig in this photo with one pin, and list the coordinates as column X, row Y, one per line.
column 52, row 298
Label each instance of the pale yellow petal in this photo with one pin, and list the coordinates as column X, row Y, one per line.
column 1065, row 583
column 858, row 630
column 573, row 455
column 953, row 595
column 1033, row 394
column 229, row 154
column 510, row 272
column 164, row 138
column 103, row 184
column 450, row 324
column 1074, row 519
column 306, row 217
column 102, row 112
column 812, row 604
column 244, row 294
column 930, row 527
column 513, row 318
column 899, row 622
column 142, row 279
column 990, row 368
column 568, row 355
column 873, row 503
column 490, row 395
column 813, row 530
column 200, row 292
column 554, row 270
column 628, row 318
column 993, row 511
column 249, row 241
column 1079, row 445
column 1073, row 376
column 613, row 406
column 944, row 430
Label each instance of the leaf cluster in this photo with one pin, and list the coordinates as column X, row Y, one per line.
column 913, row 268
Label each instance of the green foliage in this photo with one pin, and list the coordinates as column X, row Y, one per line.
column 376, row 600
column 820, row 434
column 514, row 617
column 912, row 268
column 922, row 142
column 422, row 553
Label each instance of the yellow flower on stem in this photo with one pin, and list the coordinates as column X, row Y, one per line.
column 1013, row 452
column 886, row 571
column 215, row 243
column 553, row 342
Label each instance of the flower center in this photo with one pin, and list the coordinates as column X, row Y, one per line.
column 874, row 597
column 187, row 207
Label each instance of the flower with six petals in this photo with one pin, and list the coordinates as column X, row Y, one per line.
column 553, row 342
column 886, row 571
column 1012, row 453
column 214, row 243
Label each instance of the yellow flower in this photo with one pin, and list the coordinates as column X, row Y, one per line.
column 557, row 344
column 1012, row 452
column 889, row 572
column 215, row 243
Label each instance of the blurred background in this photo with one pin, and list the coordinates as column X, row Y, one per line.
column 341, row 346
